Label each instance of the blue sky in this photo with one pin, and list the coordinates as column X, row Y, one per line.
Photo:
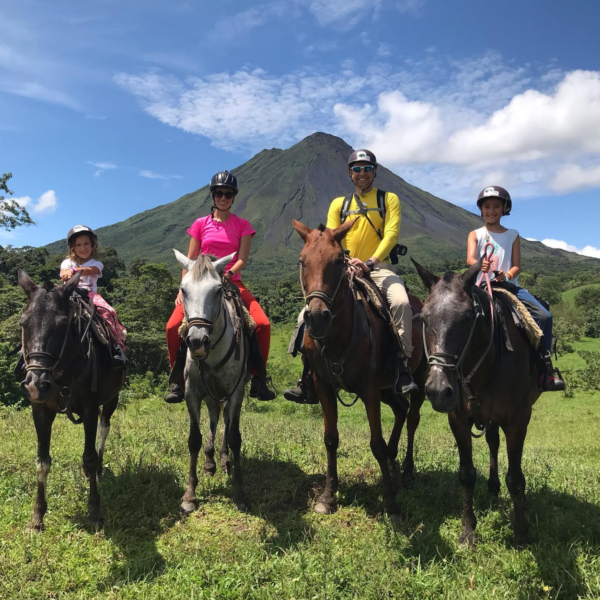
column 111, row 108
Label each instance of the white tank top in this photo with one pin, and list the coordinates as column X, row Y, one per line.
column 503, row 244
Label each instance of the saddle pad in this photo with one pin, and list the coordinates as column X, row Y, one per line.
column 371, row 290
column 532, row 330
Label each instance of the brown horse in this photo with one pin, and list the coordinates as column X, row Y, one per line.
column 61, row 377
column 350, row 347
column 498, row 391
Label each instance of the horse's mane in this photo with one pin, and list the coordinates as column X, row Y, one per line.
column 321, row 227
column 201, row 266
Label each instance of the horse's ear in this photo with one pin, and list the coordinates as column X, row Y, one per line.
column 302, row 229
column 470, row 275
column 221, row 263
column 339, row 233
column 427, row 277
column 26, row 283
column 66, row 289
column 186, row 263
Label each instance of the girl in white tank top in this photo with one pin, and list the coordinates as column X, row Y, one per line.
column 505, row 266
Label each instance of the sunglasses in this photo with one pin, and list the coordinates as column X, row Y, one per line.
column 219, row 194
column 366, row 169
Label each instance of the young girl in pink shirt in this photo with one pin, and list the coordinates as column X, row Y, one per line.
column 220, row 234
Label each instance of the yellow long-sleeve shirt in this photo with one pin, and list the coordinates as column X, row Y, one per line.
column 362, row 240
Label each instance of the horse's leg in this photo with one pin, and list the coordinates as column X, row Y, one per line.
column 235, row 441
column 91, row 460
column 515, row 480
column 189, row 502
column 43, row 418
column 326, row 502
column 103, row 430
column 492, row 437
column 467, row 475
column 399, row 419
column 414, row 418
column 372, row 402
column 224, row 450
column 210, row 467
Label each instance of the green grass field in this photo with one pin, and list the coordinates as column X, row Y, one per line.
column 569, row 295
column 281, row 549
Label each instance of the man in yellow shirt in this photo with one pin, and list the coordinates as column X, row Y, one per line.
column 370, row 242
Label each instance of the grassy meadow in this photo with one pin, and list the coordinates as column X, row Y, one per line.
column 281, row 549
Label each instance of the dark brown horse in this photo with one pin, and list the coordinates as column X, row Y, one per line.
column 59, row 359
column 476, row 382
column 350, row 347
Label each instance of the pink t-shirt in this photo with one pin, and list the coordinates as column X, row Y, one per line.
column 221, row 239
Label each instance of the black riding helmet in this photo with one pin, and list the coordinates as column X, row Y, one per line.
column 495, row 191
column 224, row 179
column 79, row 229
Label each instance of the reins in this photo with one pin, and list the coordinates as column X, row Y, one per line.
column 454, row 362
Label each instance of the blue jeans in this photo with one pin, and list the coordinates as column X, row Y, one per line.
column 540, row 315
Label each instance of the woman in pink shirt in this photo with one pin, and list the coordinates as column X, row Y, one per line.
column 220, row 234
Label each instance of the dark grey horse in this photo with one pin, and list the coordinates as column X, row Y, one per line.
column 216, row 371
column 473, row 380
column 60, row 378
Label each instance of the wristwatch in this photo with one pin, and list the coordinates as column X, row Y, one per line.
column 370, row 264
column 230, row 273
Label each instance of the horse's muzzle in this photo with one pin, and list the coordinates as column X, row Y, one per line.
column 318, row 322
column 37, row 389
column 199, row 346
column 442, row 391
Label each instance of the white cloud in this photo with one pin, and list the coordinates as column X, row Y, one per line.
column 452, row 125
column 562, row 245
column 574, row 177
column 384, row 50
column 46, row 203
column 101, row 167
column 343, row 13
column 152, row 175
column 410, row 6
column 532, row 239
column 37, row 91
column 233, row 26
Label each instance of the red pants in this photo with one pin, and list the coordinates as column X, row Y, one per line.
column 263, row 327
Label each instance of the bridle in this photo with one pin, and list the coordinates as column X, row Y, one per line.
column 208, row 372
column 202, row 322
column 323, row 295
column 65, row 391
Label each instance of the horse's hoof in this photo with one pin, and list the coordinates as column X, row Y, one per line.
column 95, row 520
column 395, row 516
column 210, row 469
column 226, row 466
column 521, row 541
column 468, row 539
column 324, row 508
column 187, row 507
column 35, row 526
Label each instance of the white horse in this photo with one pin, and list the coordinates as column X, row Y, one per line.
column 215, row 370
